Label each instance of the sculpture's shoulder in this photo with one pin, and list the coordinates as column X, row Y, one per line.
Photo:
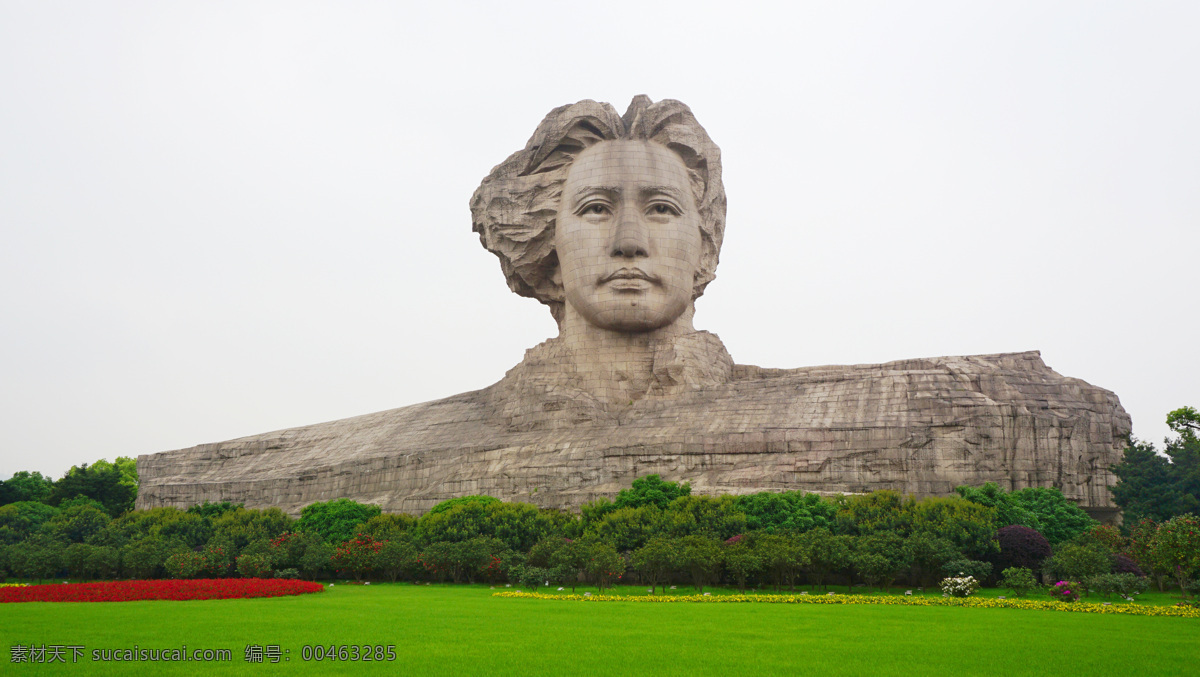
column 447, row 421
column 944, row 388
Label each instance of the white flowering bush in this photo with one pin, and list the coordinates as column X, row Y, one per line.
column 963, row 586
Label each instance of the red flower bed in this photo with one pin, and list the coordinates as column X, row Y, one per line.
column 129, row 591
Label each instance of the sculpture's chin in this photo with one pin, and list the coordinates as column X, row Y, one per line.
column 632, row 316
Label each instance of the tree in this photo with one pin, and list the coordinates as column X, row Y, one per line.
column 1008, row 511
column 335, row 521
column 238, row 528
column 971, row 527
column 567, row 562
column 104, row 562
column 717, row 517
column 1141, row 549
column 782, row 557
column 37, row 557
column 1147, row 484
column 742, row 561
column 1162, row 486
column 928, row 553
column 213, row 510
column 1176, row 545
column 20, row 520
column 603, row 564
column 103, row 482
column 316, row 560
column 458, row 520
column 452, row 503
column 826, row 552
column 78, row 523
column 628, row 528
column 880, row 558
column 25, row 486
column 1185, row 421
column 651, row 490
column 1060, row 519
column 794, row 511
column 656, row 560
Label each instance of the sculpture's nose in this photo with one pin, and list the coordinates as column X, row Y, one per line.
column 630, row 239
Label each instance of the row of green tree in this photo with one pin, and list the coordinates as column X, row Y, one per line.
column 113, row 485
column 651, row 533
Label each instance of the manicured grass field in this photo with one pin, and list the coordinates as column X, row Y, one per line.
column 455, row 630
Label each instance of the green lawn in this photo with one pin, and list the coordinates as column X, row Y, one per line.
column 454, row 630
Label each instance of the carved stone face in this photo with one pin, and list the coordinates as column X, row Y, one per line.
column 628, row 236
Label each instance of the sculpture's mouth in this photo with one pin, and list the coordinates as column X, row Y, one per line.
column 630, row 274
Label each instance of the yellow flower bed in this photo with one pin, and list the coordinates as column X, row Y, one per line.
column 12, row 585
column 975, row 602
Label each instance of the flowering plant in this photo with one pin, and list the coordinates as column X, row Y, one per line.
column 357, row 555
column 963, row 586
column 1065, row 591
column 128, row 591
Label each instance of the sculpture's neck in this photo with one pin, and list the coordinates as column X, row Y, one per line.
column 614, row 366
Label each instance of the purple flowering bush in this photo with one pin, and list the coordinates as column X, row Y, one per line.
column 1065, row 591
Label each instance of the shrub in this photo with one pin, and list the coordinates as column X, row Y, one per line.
column 533, row 577
column 651, row 490
column 1122, row 584
column 1077, row 562
column 967, row 567
column 1065, row 591
column 1021, row 547
column 254, row 566
column 216, row 560
column 357, row 555
column 1018, row 579
column 185, row 565
column 290, row 574
column 145, row 558
column 960, row 587
column 335, row 521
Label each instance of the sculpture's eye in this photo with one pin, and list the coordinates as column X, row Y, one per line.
column 663, row 209
column 598, row 208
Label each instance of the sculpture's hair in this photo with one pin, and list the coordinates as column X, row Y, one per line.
column 516, row 206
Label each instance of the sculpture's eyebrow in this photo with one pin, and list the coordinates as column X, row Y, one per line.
column 585, row 191
column 663, row 190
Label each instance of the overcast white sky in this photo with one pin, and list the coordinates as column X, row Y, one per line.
column 220, row 219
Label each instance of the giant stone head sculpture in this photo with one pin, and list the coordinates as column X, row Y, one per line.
column 619, row 217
